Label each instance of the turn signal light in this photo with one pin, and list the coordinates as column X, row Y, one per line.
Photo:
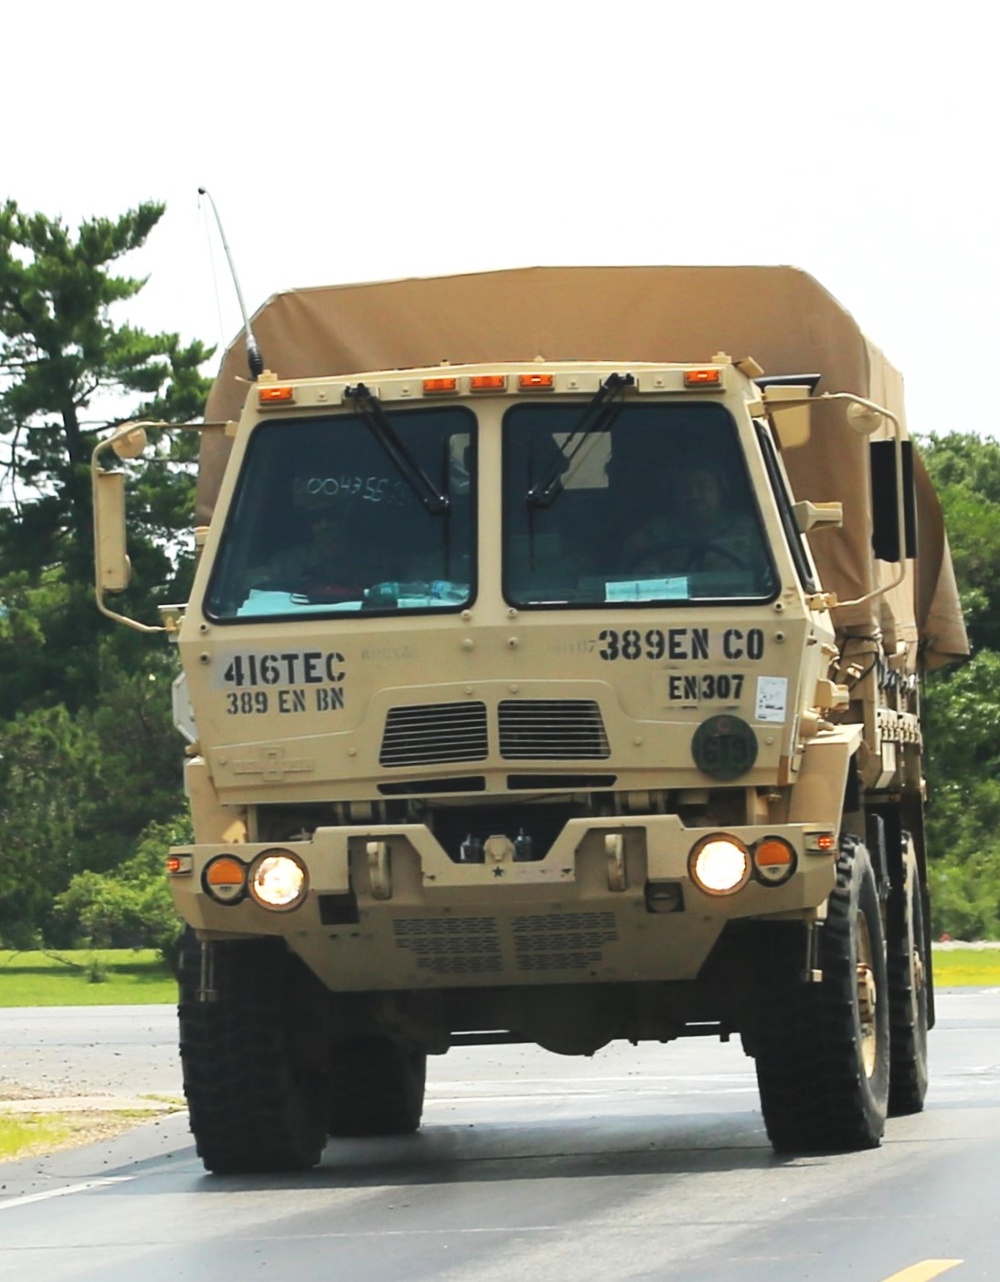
column 774, row 859
column 275, row 395
column 225, row 879
column 702, row 378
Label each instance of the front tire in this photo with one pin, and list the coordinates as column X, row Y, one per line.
column 823, row 1058
column 377, row 1088
column 253, row 1107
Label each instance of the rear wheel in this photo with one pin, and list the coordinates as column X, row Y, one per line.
column 253, row 1107
column 908, row 993
column 823, row 1055
column 377, row 1088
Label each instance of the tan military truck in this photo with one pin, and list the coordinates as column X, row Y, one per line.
column 551, row 675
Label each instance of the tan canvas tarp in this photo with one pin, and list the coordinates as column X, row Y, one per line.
column 778, row 315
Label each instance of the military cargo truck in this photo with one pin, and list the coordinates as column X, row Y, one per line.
column 551, row 675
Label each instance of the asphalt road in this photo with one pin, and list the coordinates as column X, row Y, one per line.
column 637, row 1164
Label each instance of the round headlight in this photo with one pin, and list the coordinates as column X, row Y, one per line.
column 719, row 865
column 278, row 880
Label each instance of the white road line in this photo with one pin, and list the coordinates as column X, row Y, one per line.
column 8, row 1203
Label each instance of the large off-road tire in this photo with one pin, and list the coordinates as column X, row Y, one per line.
column 823, row 1054
column 377, row 1088
column 252, row 1106
column 908, row 992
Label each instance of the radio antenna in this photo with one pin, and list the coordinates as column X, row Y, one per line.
column 254, row 358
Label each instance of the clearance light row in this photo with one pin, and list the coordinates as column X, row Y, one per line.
column 451, row 385
column 276, row 879
column 722, row 864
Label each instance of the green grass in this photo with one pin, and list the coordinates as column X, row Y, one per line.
column 138, row 977
column 33, row 1132
column 67, row 977
column 966, row 967
column 22, row 1134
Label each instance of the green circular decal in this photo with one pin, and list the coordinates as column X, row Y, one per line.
column 725, row 747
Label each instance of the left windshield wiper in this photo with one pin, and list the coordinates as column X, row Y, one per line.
column 380, row 426
column 596, row 417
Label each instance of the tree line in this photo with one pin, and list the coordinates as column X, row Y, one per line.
column 90, row 764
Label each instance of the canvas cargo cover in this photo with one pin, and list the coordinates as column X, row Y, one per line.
column 779, row 315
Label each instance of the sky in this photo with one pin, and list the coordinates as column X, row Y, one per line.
column 354, row 142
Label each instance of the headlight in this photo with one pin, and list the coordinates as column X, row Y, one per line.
column 278, row 880
column 719, row 865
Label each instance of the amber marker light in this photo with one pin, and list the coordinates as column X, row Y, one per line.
column 488, row 383
column 275, row 395
column 719, row 864
column 774, row 859
column 178, row 865
column 820, row 843
column 702, row 378
column 536, row 382
column 440, row 386
column 225, row 879
column 278, row 880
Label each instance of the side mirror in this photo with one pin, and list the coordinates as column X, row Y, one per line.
column 864, row 418
column 113, row 566
column 131, row 445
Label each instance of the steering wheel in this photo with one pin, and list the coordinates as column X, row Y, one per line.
column 687, row 554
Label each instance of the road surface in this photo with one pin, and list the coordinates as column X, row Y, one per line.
column 637, row 1164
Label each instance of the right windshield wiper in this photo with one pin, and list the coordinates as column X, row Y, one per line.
column 380, row 426
column 597, row 416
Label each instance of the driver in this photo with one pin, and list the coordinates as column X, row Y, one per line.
column 694, row 527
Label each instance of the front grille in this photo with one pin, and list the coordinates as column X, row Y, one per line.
column 434, row 734
column 563, row 941
column 450, row 945
column 553, row 729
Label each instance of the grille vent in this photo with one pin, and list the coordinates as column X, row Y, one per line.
column 434, row 734
column 553, row 729
column 451, row 945
column 563, row 941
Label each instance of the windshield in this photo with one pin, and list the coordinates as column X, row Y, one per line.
column 324, row 522
column 657, row 507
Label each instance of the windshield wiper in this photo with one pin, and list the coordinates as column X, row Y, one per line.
column 597, row 417
column 380, row 426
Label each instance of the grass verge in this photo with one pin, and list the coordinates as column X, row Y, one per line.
column 120, row 977
column 966, row 967
column 26, row 1134
column 85, row 977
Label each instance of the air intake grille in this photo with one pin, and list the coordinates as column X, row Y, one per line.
column 563, row 941
column 554, row 729
column 434, row 734
column 450, row 946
